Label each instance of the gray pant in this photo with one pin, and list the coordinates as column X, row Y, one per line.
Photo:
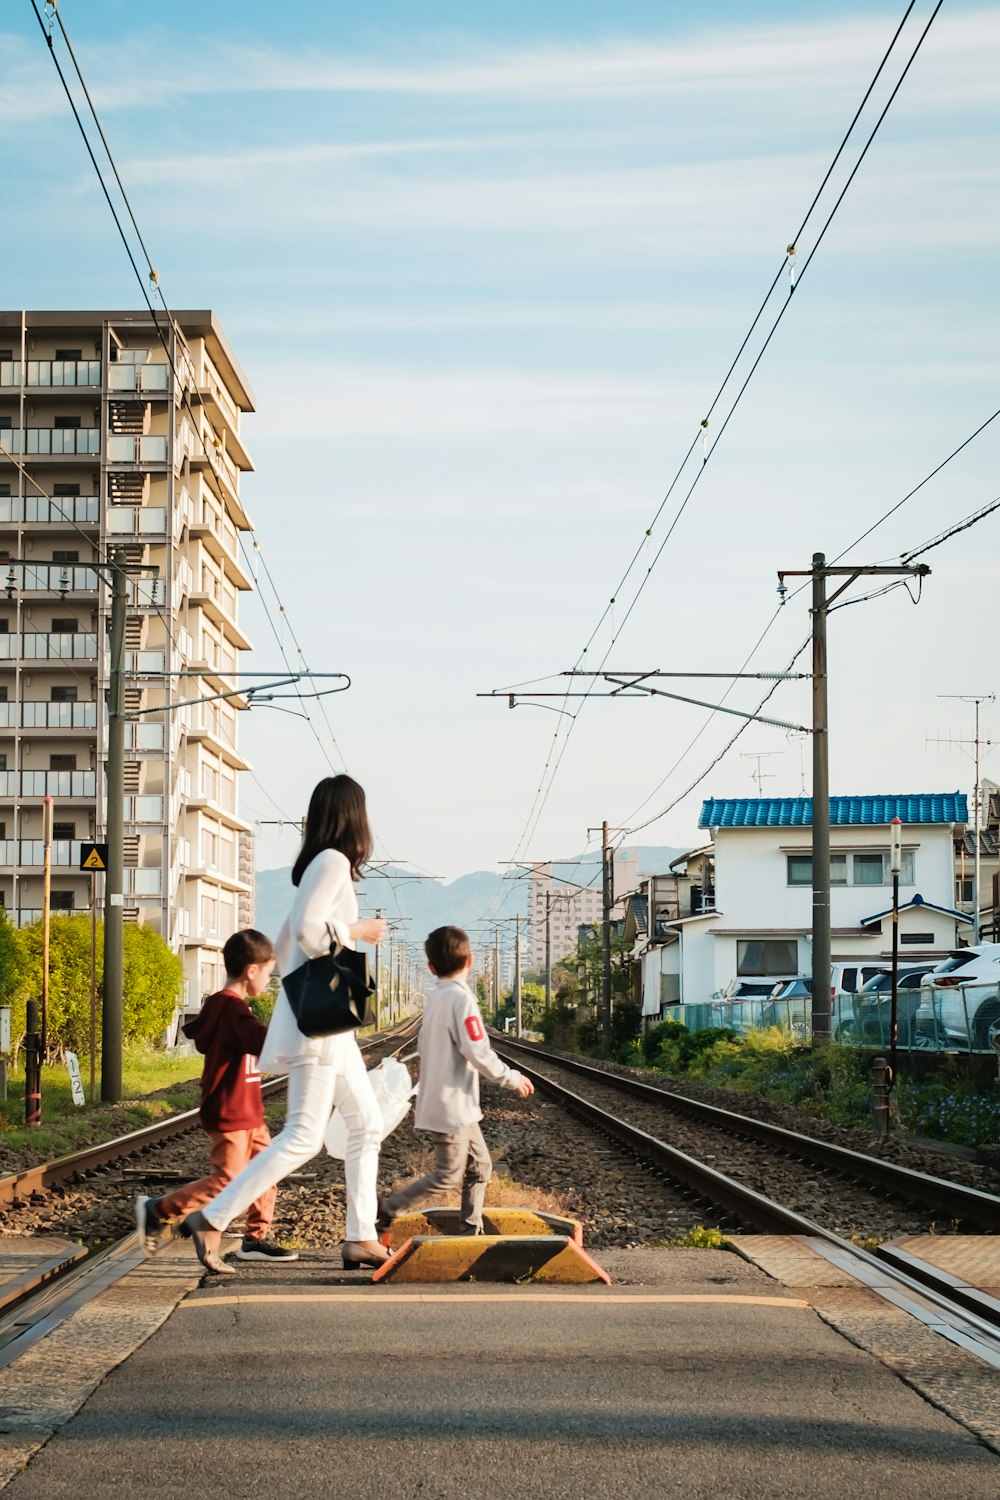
column 460, row 1160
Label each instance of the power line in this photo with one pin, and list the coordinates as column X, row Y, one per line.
column 550, row 771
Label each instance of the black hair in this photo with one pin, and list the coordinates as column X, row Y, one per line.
column 447, row 950
column 245, row 948
column 337, row 819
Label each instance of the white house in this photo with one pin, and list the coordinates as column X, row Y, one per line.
column 761, row 924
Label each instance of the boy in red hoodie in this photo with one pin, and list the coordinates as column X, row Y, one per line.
column 232, row 1110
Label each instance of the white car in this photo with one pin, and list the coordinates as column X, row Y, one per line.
column 962, row 995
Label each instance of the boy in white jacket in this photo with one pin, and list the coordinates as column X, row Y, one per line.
column 454, row 1050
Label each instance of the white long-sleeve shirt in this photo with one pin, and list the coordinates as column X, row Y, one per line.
column 325, row 902
column 454, row 1050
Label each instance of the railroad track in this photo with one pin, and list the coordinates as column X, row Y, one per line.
column 38, row 1296
column 963, row 1205
column 964, row 1314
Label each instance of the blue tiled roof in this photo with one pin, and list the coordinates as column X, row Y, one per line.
column 845, row 812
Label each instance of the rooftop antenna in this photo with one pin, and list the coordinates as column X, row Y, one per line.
column 760, row 775
column 977, row 742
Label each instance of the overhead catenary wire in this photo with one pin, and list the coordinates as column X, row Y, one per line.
column 550, row 770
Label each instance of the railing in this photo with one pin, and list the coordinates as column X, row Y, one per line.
column 65, row 852
column 32, row 509
column 50, row 372
column 128, row 520
column 40, row 715
column 48, row 783
column 51, row 578
column 144, row 809
column 144, row 736
column 145, row 663
column 137, row 448
column 148, row 592
column 34, row 440
column 138, row 377
column 42, row 645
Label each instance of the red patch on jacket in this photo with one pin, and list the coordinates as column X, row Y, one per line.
column 474, row 1027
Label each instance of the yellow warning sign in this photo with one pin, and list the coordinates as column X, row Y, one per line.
column 93, row 856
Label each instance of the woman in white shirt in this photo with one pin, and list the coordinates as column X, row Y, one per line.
column 324, row 1073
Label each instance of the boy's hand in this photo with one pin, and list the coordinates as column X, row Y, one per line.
column 524, row 1088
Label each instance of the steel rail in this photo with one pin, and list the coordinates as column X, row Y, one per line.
column 918, row 1287
column 20, row 1186
column 961, row 1203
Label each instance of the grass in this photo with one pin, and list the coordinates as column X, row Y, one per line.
column 154, row 1085
column 697, row 1238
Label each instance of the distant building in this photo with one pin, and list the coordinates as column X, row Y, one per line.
column 136, row 457
column 568, row 904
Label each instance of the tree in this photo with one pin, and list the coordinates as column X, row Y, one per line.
column 153, row 981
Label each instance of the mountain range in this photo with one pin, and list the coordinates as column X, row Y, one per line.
column 432, row 903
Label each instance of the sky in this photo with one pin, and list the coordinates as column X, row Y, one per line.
column 486, row 268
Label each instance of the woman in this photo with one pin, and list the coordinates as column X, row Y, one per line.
column 323, row 1072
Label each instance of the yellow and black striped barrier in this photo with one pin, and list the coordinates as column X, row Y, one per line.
column 448, row 1221
column 549, row 1258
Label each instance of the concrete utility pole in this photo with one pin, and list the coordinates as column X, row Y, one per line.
column 821, row 602
column 977, row 699
column 517, row 976
column 114, row 898
column 548, row 950
column 607, row 901
column 496, row 976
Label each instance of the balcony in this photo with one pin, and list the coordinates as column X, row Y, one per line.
column 48, row 784
column 30, row 441
column 32, row 510
column 139, row 378
column 57, row 373
column 51, row 578
column 144, row 809
column 40, row 715
column 45, row 646
column 129, row 520
column 145, row 663
column 65, row 852
column 137, row 448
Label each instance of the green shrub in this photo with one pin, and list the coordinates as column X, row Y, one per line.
column 657, row 1037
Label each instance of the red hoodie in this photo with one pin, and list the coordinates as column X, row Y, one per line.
column 230, row 1036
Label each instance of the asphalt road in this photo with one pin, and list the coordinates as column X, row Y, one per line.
column 287, row 1385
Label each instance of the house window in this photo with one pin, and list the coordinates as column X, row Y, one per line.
column 963, row 889
column 69, row 354
column 64, row 830
column 66, row 424
column 65, row 627
column 926, row 938
column 868, row 868
column 65, row 557
column 62, row 901
column 64, row 491
column 767, row 956
column 800, row 869
column 62, row 762
column 62, row 695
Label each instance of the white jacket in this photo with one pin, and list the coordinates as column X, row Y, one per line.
column 326, row 901
column 454, row 1050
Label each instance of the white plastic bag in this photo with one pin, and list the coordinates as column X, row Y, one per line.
column 393, row 1090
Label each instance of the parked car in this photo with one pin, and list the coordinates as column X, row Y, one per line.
column 962, row 995
column 742, row 1003
column 872, row 1010
column 845, row 980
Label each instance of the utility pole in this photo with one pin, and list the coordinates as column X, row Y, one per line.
column 548, row 950
column 399, row 980
column 496, row 976
column 47, row 813
column 517, row 976
column 977, row 699
column 821, row 602
column 378, row 992
column 114, row 899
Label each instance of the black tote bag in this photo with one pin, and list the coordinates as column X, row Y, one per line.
column 331, row 993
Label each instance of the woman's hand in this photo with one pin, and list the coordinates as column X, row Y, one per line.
column 369, row 930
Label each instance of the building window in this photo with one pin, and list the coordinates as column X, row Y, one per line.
column 926, row 938
column 65, row 557
column 62, row 762
column 69, row 354
column 62, row 695
column 3, row 761
column 963, row 889
column 4, row 627
column 769, row 956
column 870, row 868
column 64, row 830
column 66, row 424
column 64, row 491
column 3, row 690
column 61, row 901
column 65, row 627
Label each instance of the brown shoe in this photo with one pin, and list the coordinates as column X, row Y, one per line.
column 358, row 1253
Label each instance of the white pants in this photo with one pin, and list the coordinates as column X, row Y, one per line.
column 314, row 1091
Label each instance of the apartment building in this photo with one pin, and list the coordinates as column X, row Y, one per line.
column 569, row 903
column 127, row 440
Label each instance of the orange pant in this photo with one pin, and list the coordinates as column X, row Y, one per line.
column 231, row 1150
